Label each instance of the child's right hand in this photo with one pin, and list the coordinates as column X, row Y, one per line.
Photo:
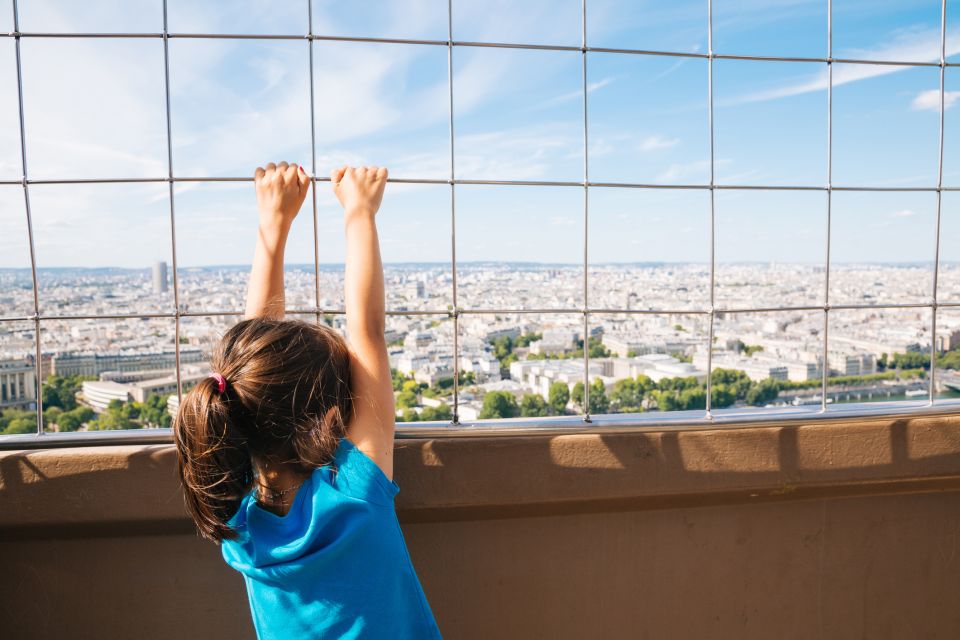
column 281, row 190
column 359, row 189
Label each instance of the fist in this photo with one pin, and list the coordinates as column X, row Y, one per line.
column 281, row 190
column 359, row 189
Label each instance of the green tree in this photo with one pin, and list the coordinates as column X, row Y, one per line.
column 75, row 418
column 628, row 394
column 950, row 360
column 439, row 413
column 499, row 404
column 558, row 397
column 61, row 391
column 409, row 394
column 910, row 360
column 118, row 415
column 21, row 425
column 526, row 339
column 693, row 398
column 684, row 399
column 409, row 415
column 532, row 405
column 722, row 395
column 599, row 403
column 666, row 400
column 69, row 421
column 153, row 411
column 737, row 381
column 750, row 349
column 763, row 393
column 51, row 415
column 18, row 421
column 398, row 379
column 577, row 395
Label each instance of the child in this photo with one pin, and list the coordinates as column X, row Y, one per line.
column 286, row 450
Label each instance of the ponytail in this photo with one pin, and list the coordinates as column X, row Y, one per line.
column 285, row 397
column 213, row 459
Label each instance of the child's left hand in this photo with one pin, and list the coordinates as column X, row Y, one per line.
column 281, row 190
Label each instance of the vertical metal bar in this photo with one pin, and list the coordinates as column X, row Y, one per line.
column 586, row 218
column 936, row 255
column 313, row 166
column 713, row 234
column 825, row 365
column 453, row 226
column 38, row 364
column 173, row 225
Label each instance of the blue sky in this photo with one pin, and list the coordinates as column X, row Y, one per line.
column 95, row 109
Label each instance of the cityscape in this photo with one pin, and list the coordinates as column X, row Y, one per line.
column 520, row 345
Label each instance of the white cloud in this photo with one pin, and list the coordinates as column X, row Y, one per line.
column 909, row 45
column 658, row 143
column 680, row 170
column 903, row 213
column 931, row 100
column 572, row 95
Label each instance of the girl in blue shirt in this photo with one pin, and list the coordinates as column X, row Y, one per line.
column 286, row 450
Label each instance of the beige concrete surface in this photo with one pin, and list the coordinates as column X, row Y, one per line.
column 827, row 530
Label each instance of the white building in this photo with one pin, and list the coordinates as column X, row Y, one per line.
column 555, row 341
column 18, row 388
column 852, row 364
column 94, row 364
column 98, row 393
column 655, row 366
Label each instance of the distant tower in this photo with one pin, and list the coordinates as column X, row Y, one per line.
column 160, row 277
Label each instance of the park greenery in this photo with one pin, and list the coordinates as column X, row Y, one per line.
column 641, row 393
column 62, row 412
column 503, row 349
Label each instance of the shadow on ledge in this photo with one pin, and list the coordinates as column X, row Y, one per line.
column 825, row 530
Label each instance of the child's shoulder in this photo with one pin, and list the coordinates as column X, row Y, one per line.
column 357, row 476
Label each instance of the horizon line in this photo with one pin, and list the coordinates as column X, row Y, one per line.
column 645, row 263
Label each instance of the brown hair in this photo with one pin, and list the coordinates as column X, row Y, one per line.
column 283, row 378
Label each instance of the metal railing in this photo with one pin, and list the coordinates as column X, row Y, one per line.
column 708, row 417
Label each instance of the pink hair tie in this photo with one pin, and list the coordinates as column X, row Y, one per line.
column 221, row 382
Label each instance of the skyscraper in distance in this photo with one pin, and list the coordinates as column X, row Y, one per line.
column 159, row 277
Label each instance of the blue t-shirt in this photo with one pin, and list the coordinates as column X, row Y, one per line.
column 336, row 565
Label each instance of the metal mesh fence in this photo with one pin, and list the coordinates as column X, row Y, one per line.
column 707, row 309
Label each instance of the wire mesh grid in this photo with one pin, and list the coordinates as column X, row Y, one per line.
column 456, row 312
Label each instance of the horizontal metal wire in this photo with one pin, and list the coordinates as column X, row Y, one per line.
column 565, row 425
column 709, row 417
column 450, row 313
column 504, row 183
column 472, row 44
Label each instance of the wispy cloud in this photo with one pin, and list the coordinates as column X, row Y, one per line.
column 907, row 45
column 903, row 213
column 658, row 143
column 679, row 170
column 573, row 95
column 930, row 100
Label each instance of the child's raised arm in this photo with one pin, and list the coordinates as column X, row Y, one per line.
column 281, row 189
column 371, row 428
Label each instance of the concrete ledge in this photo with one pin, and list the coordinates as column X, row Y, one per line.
column 794, row 530
column 123, row 490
